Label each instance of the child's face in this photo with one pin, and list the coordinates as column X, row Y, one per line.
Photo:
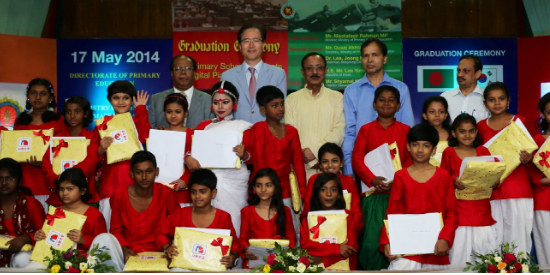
column 264, row 188
column 435, row 114
column 421, row 151
column 330, row 163
column 8, row 183
column 497, row 102
column 39, row 97
column 386, row 105
column 74, row 115
column 546, row 114
column 222, row 105
column 201, row 195
column 274, row 110
column 328, row 194
column 121, row 103
column 144, row 174
column 174, row 114
column 70, row 193
column 465, row 133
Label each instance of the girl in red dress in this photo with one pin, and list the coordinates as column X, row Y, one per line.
column 266, row 216
column 435, row 112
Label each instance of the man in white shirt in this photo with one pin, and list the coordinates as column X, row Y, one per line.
column 468, row 97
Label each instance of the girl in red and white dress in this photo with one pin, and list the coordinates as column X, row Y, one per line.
column 435, row 112
column 40, row 99
column 512, row 201
column 232, row 183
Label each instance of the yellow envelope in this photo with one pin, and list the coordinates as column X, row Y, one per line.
column 125, row 137
column 478, row 177
column 148, row 262
column 386, row 225
column 334, row 230
column 268, row 243
column 5, row 238
column 295, row 193
column 347, row 198
column 396, row 157
column 20, row 145
column 508, row 144
column 435, row 159
column 75, row 152
column 196, row 251
column 542, row 159
column 56, row 234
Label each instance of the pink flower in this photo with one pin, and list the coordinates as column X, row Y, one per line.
column 518, row 267
column 73, row 270
column 304, row 260
column 271, row 259
column 509, row 258
column 491, row 269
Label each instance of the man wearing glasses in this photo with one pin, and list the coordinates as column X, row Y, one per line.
column 316, row 111
column 182, row 69
column 253, row 73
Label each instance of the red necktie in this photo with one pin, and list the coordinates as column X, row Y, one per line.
column 252, row 85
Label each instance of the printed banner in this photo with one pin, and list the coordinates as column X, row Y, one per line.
column 218, row 52
column 87, row 67
column 429, row 66
column 343, row 54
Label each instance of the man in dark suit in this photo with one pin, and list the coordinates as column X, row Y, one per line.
column 182, row 69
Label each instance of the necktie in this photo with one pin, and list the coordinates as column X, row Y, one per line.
column 252, row 85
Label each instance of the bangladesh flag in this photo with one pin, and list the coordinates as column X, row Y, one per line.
column 436, row 78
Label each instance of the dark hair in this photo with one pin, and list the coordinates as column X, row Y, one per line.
column 436, row 98
column 76, row 177
column 260, row 28
column 391, row 12
column 496, row 86
column 226, row 86
column 203, row 177
column 312, row 54
column 543, row 124
column 388, row 88
column 478, row 66
column 464, row 118
column 121, row 86
column 322, row 179
column 267, row 93
column 47, row 116
column 14, row 169
column 142, row 156
column 178, row 99
column 380, row 44
column 423, row 132
column 86, row 108
column 276, row 199
column 193, row 61
column 332, row 148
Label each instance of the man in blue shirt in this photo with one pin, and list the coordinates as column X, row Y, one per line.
column 359, row 96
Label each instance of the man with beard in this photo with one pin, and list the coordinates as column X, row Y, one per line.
column 468, row 97
column 316, row 111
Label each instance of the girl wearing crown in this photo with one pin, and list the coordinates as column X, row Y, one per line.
column 232, row 183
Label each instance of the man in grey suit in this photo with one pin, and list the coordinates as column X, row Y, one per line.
column 253, row 73
column 182, row 69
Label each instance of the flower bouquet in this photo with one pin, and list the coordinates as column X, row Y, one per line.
column 75, row 261
column 288, row 260
column 504, row 260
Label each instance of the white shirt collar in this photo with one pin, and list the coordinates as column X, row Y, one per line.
column 477, row 89
column 257, row 68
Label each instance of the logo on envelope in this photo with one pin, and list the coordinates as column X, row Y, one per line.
column 119, row 136
column 55, row 239
column 23, row 145
column 147, row 257
column 199, row 251
column 67, row 163
column 328, row 240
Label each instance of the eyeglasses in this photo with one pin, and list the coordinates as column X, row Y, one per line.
column 312, row 69
column 183, row 69
column 7, row 179
column 248, row 40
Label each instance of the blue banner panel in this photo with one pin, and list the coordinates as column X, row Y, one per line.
column 429, row 66
column 86, row 67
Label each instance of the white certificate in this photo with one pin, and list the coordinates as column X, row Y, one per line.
column 169, row 149
column 414, row 233
column 380, row 164
column 214, row 149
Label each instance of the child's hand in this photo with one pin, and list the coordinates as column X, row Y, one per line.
column 34, row 162
column 525, row 157
column 387, row 253
column 459, row 185
column 441, row 248
column 346, row 251
column 172, row 251
column 16, row 244
column 141, row 99
column 103, row 145
column 378, row 181
column 127, row 252
column 240, row 151
column 316, row 260
column 39, row 235
column 545, row 181
column 180, row 185
column 76, row 236
column 228, row 261
column 192, row 164
column 308, row 155
column 249, row 255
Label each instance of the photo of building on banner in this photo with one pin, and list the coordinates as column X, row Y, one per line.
column 345, row 16
column 228, row 15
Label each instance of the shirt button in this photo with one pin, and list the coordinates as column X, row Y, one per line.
column 251, row 112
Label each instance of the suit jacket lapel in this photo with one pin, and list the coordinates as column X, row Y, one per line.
column 241, row 78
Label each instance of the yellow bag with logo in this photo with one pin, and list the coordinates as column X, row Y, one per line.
column 147, row 262
column 20, row 145
column 478, row 177
column 435, row 159
column 125, row 136
column 331, row 226
column 66, row 152
column 268, row 243
column 5, row 238
column 296, row 198
column 396, row 159
column 199, row 250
